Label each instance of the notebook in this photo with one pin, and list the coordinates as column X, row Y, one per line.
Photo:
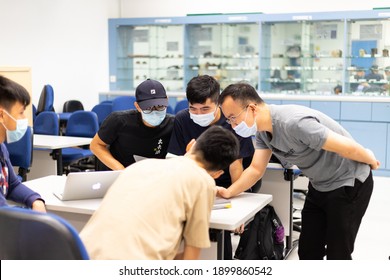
column 87, row 185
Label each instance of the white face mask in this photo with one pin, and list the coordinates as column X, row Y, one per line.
column 203, row 119
column 155, row 118
column 244, row 130
column 18, row 133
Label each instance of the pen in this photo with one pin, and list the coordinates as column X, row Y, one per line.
column 222, row 206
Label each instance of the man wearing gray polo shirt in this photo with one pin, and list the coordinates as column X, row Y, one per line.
column 338, row 168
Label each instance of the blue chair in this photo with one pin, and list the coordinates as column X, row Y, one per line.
column 182, row 104
column 71, row 106
column 47, row 123
column 80, row 124
column 170, row 110
column 121, row 103
column 46, row 100
column 31, row 235
column 102, row 110
column 21, row 152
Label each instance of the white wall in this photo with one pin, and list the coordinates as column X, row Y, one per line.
column 65, row 42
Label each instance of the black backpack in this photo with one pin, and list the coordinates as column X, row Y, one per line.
column 263, row 238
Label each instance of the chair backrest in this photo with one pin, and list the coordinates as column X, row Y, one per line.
column 30, row 235
column 102, row 110
column 72, row 106
column 21, row 152
column 34, row 112
column 82, row 124
column 46, row 100
column 182, row 104
column 47, row 123
column 123, row 103
column 170, row 110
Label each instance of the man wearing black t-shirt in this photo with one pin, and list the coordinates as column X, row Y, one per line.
column 202, row 94
column 144, row 132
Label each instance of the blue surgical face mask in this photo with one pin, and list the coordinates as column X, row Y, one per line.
column 244, row 130
column 154, row 118
column 18, row 133
column 203, row 119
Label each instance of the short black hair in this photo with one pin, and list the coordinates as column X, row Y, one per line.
column 374, row 68
column 216, row 148
column 11, row 92
column 243, row 92
column 200, row 88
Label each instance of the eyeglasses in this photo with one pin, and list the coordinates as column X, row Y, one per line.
column 234, row 118
column 154, row 108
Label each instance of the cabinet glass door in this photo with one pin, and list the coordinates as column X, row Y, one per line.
column 368, row 62
column 228, row 52
column 152, row 51
column 302, row 57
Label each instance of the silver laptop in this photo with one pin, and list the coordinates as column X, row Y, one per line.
column 87, row 185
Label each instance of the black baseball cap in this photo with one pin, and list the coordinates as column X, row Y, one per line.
column 151, row 93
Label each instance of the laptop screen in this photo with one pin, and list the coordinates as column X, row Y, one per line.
column 87, row 185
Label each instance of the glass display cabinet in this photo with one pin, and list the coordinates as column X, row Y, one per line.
column 367, row 60
column 326, row 53
column 322, row 54
column 174, row 50
column 227, row 51
column 302, row 57
column 154, row 51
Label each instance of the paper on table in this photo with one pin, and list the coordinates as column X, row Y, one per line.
column 138, row 158
column 222, row 203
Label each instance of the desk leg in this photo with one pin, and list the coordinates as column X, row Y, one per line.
column 290, row 245
column 289, row 237
column 220, row 245
column 43, row 164
column 57, row 155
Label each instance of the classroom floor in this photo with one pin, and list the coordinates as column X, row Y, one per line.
column 372, row 242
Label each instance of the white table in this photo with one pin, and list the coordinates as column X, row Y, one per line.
column 77, row 212
column 59, row 142
column 244, row 208
column 47, row 155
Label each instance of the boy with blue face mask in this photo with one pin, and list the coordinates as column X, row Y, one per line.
column 202, row 93
column 13, row 101
column 144, row 132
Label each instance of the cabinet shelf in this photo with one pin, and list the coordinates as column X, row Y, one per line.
column 369, row 57
column 311, row 57
column 149, row 69
column 306, row 68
